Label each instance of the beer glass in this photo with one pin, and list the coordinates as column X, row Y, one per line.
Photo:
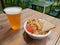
column 13, row 15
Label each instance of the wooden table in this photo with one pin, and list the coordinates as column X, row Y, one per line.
column 9, row 37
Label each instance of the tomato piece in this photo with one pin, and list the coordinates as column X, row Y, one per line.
column 30, row 29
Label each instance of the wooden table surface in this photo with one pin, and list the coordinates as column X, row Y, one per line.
column 9, row 37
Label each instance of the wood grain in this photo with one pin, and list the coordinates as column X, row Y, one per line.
column 58, row 43
column 21, row 38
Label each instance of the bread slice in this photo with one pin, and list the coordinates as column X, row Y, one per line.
column 47, row 26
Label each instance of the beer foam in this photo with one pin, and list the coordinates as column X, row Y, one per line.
column 12, row 10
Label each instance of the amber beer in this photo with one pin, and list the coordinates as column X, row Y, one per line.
column 13, row 14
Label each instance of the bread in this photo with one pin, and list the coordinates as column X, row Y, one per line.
column 47, row 26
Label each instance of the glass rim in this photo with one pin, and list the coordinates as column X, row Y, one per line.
column 13, row 10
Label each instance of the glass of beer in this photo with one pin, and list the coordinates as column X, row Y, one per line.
column 13, row 15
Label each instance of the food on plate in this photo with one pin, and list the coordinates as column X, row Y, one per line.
column 35, row 26
column 48, row 26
